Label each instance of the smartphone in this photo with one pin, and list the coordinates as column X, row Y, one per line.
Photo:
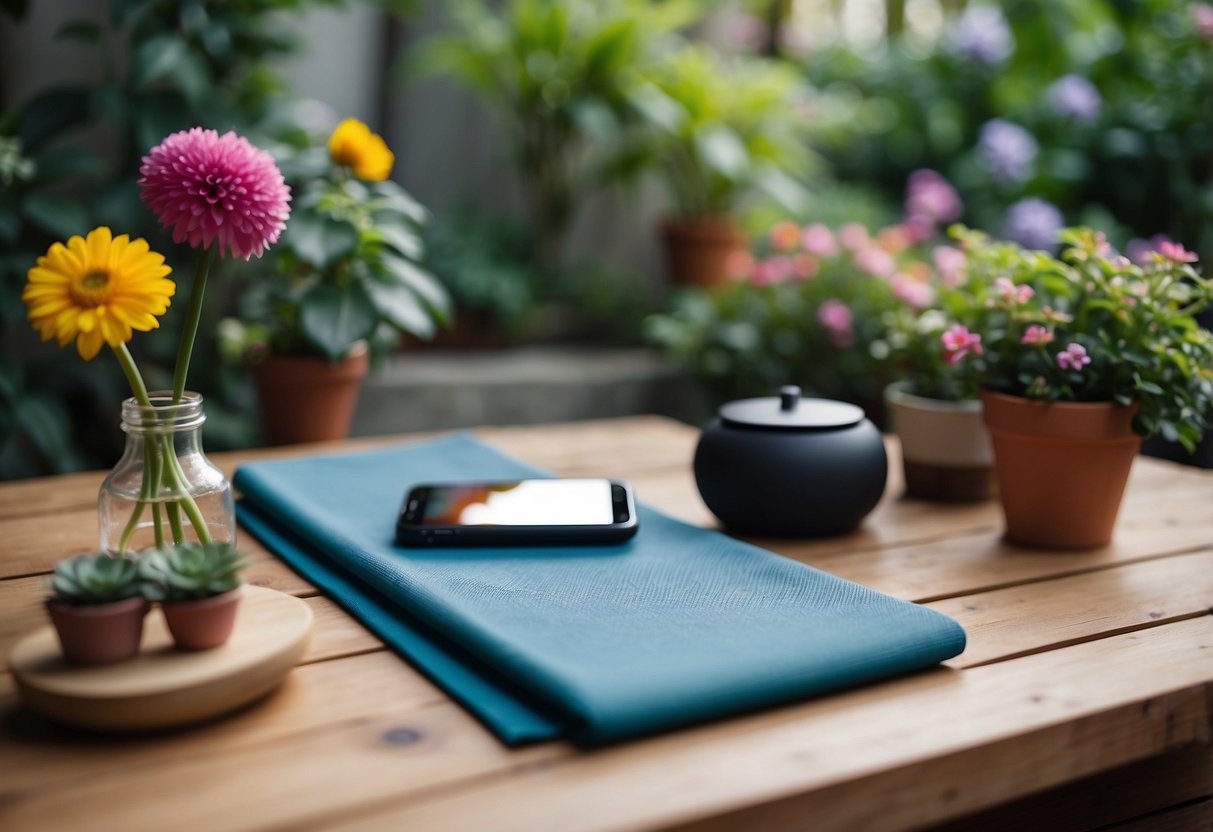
column 517, row 513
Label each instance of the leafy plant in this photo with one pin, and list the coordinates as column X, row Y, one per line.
column 719, row 130
column 348, row 266
column 558, row 74
column 190, row 571
column 89, row 580
column 1093, row 326
column 810, row 308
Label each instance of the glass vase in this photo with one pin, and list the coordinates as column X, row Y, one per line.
column 164, row 489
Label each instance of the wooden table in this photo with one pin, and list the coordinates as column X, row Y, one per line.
column 1084, row 696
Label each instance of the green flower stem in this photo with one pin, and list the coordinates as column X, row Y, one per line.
column 156, row 469
column 177, row 481
column 192, row 317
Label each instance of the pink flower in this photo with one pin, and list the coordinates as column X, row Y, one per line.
column 1202, row 18
column 774, row 269
column 875, row 261
column 930, row 196
column 1037, row 334
column 206, row 186
column 959, row 342
column 1074, row 357
column 1010, row 292
column 836, row 316
column 819, row 240
column 805, row 266
column 951, row 263
column 1176, row 252
column 854, row 236
column 913, row 293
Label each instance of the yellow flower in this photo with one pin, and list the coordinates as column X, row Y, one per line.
column 97, row 290
column 355, row 146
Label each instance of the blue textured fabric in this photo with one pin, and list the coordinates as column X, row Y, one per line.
column 679, row 625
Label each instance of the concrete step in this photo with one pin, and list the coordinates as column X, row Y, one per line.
column 449, row 389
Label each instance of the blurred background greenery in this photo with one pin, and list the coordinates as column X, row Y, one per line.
column 539, row 134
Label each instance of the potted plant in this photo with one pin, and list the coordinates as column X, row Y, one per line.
column 557, row 77
column 97, row 608
column 348, row 284
column 1083, row 354
column 807, row 307
column 719, row 130
column 198, row 587
column 935, row 406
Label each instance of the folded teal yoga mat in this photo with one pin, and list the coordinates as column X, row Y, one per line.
column 679, row 625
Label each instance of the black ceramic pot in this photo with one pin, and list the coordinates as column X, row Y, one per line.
column 790, row 466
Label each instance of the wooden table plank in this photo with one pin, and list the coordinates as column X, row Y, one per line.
column 1016, row 715
column 1012, row 622
column 897, row 756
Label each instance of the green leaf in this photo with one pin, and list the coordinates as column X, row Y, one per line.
column 421, row 283
column 334, row 319
column 123, row 11
column 157, row 58
column 320, row 241
column 51, row 113
column 84, row 31
column 193, row 77
column 722, row 151
column 63, row 161
column 402, row 308
column 401, row 239
column 60, row 216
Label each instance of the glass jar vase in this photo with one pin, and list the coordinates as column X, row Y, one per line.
column 164, row 489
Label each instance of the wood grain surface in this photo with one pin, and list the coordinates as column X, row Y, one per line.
column 1083, row 671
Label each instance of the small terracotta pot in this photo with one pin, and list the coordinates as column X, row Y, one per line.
column 202, row 624
column 306, row 399
column 698, row 250
column 1062, row 467
column 945, row 447
column 101, row 633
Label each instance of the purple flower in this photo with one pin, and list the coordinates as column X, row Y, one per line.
column 1007, row 150
column 1033, row 223
column 982, row 35
column 1073, row 357
column 1073, row 96
column 836, row 317
column 1142, row 251
column 930, row 196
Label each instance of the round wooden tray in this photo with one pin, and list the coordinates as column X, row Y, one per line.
column 163, row 686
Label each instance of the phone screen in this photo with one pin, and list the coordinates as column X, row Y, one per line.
column 557, row 502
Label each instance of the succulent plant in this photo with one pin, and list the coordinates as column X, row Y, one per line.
column 88, row 580
column 190, row 571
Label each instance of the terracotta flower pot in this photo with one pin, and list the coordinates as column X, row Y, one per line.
column 698, row 250
column 945, row 447
column 1062, row 468
column 305, row 399
column 101, row 633
column 202, row 624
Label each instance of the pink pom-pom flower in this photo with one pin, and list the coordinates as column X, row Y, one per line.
column 206, row 187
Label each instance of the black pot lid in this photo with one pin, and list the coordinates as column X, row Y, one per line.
column 791, row 412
